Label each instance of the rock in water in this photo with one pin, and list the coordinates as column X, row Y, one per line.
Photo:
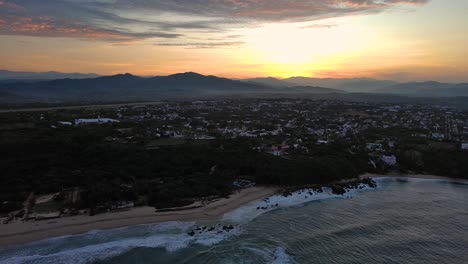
column 338, row 189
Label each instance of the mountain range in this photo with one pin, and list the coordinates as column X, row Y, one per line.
column 128, row 87
column 367, row 85
column 10, row 76
column 429, row 89
column 361, row 85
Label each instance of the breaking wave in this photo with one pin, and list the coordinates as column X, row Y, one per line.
column 172, row 236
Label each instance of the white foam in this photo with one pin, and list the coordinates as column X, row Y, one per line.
column 281, row 257
column 276, row 255
column 161, row 238
column 172, row 236
column 386, row 179
column 253, row 210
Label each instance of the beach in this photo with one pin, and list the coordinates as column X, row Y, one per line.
column 24, row 232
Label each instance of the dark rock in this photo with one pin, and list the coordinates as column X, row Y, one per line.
column 338, row 189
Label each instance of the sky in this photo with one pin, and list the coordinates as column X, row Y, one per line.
column 402, row 40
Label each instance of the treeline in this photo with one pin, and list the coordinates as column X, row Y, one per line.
column 169, row 176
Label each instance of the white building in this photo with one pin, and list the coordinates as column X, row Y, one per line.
column 464, row 146
column 95, row 121
column 374, row 147
column 389, row 160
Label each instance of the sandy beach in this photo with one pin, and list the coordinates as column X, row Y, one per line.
column 23, row 232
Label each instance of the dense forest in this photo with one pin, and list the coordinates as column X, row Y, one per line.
column 47, row 162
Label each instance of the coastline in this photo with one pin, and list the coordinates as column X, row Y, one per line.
column 18, row 233
column 414, row 176
column 25, row 232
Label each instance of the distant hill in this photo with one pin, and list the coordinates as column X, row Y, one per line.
column 127, row 87
column 270, row 81
column 349, row 85
column 312, row 90
column 35, row 76
column 427, row 89
column 190, row 85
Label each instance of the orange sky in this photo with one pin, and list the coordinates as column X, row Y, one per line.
column 401, row 40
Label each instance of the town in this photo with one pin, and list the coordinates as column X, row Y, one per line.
column 172, row 154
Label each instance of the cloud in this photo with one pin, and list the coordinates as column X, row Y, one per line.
column 46, row 26
column 313, row 26
column 130, row 20
column 204, row 45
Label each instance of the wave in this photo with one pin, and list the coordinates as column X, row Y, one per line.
column 416, row 179
column 253, row 210
column 276, row 255
column 281, row 257
column 99, row 245
column 172, row 236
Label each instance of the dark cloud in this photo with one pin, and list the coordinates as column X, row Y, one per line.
column 129, row 20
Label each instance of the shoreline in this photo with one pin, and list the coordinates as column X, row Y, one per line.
column 413, row 176
column 18, row 232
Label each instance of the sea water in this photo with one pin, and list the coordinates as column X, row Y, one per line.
column 401, row 221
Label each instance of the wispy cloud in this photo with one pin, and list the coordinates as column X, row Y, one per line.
column 204, row 45
column 313, row 26
column 129, row 20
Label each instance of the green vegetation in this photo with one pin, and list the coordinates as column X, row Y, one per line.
column 172, row 154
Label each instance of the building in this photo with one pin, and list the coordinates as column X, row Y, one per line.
column 84, row 121
column 438, row 136
column 389, row 160
column 464, row 146
column 374, row 147
column 278, row 150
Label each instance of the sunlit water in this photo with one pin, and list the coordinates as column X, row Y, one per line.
column 402, row 221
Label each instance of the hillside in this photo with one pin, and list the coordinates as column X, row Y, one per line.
column 34, row 76
column 427, row 89
column 348, row 85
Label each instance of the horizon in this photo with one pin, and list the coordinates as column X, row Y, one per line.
column 218, row 76
column 402, row 40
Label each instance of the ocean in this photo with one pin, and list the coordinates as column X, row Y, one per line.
column 400, row 221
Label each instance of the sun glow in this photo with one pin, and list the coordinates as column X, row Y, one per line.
column 294, row 49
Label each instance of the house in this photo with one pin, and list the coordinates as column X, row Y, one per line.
column 438, row 136
column 322, row 142
column 278, row 150
column 390, row 160
column 464, row 146
column 374, row 147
